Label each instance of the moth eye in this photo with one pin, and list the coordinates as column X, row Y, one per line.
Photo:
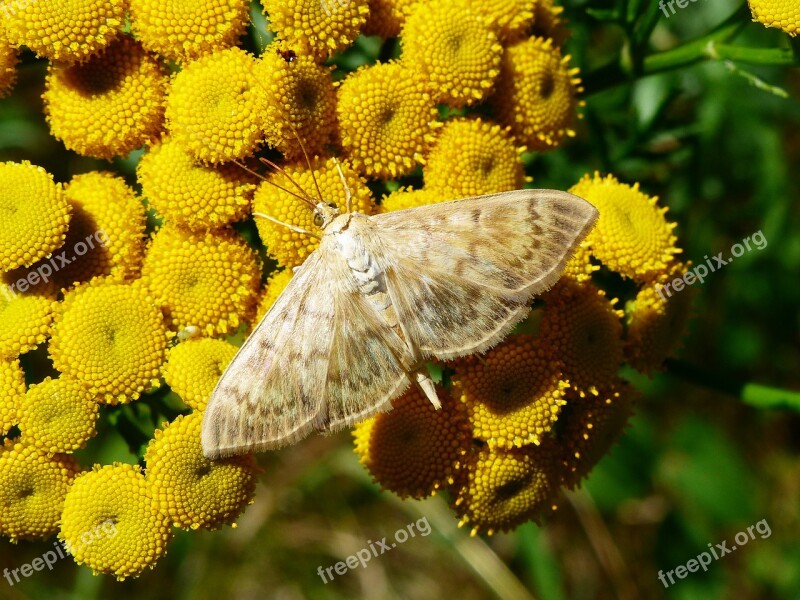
column 318, row 220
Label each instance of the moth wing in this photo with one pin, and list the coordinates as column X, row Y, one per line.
column 313, row 362
column 461, row 274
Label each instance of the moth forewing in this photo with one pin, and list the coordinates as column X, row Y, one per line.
column 379, row 296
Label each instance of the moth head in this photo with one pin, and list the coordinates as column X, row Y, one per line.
column 324, row 213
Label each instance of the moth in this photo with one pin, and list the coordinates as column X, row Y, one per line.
column 381, row 296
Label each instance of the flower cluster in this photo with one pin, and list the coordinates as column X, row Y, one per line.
column 105, row 280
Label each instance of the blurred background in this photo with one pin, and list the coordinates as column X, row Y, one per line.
column 707, row 454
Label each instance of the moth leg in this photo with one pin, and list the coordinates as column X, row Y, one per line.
column 348, row 196
column 423, row 380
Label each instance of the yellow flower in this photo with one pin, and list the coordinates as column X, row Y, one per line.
column 453, row 49
column 414, row 449
column 216, row 107
column 12, row 389
column 505, row 487
column 632, row 236
column 106, row 233
column 317, row 27
column 193, row 195
column 111, row 522
column 536, row 93
column 58, row 415
column 288, row 247
column 67, row 30
column 209, row 280
column 191, row 489
column 473, row 157
column 34, row 214
column 32, row 490
column 579, row 267
column 24, row 321
column 588, row 428
column 301, row 103
column 408, row 198
column 194, row 367
column 783, row 14
column 183, row 31
column 513, row 393
column 387, row 119
column 581, row 327
column 109, row 105
column 657, row 320
column 273, row 288
column 112, row 339
column 510, row 19
column 548, row 23
column 386, row 17
column 8, row 68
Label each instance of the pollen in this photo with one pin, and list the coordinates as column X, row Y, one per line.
column 191, row 489
column 454, row 49
column 190, row 194
column 414, row 449
column 111, row 521
column 207, row 280
column 387, row 119
column 109, row 105
column 473, row 157
column 194, row 367
column 34, row 215
column 112, row 339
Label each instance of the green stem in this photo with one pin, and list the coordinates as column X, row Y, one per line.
column 753, row 394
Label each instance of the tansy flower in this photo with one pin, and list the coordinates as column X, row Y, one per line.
column 472, row 157
column 579, row 267
column 194, row 367
column 34, row 214
column 581, row 327
column 184, row 31
column 191, row 489
column 513, row 393
column 386, row 17
column 409, row 198
column 111, row 522
column 193, row 195
column 12, row 389
column 387, row 119
column 209, row 280
column 317, row 27
column 109, row 105
column 106, row 233
column 8, row 68
column 276, row 283
column 112, row 339
column 632, row 236
column 509, row 19
column 216, row 107
column 301, row 103
column 58, row 415
column 783, row 14
column 536, row 93
column 24, row 321
column 32, row 490
column 288, row 247
column 67, row 30
column 453, row 49
column 588, row 427
column 505, row 487
column 414, row 449
column 657, row 321
column 547, row 22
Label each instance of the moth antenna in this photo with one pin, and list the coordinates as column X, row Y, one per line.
column 280, row 169
column 308, row 162
column 347, row 194
column 265, row 180
column 288, row 225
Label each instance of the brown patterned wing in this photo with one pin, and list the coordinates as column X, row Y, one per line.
column 461, row 274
